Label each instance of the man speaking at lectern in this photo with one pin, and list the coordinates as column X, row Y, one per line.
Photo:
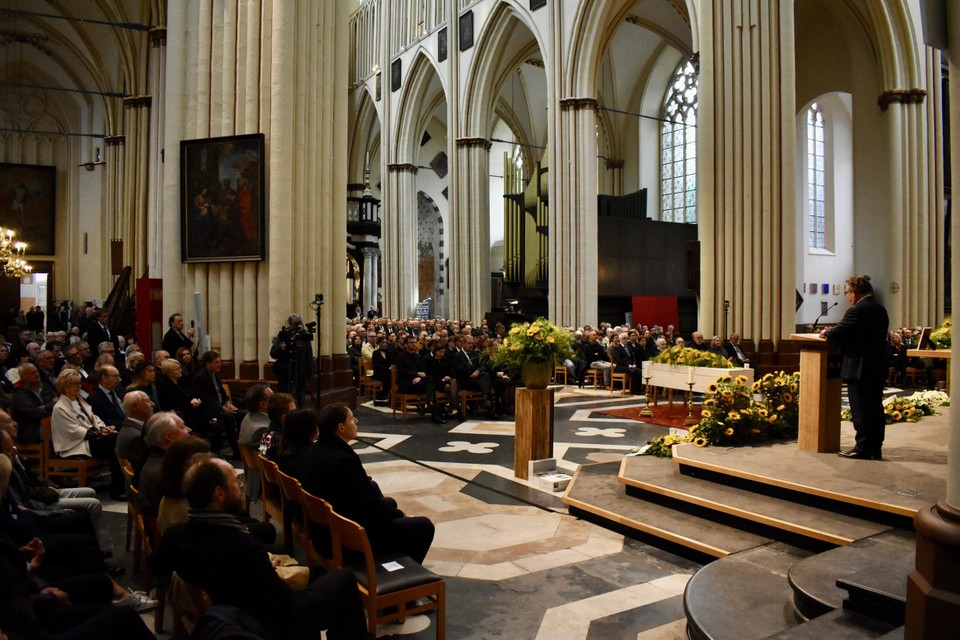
column 862, row 338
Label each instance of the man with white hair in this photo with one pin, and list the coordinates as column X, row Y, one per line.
column 130, row 443
column 159, row 434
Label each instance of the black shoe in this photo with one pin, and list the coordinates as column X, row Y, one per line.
column 436, row 418
column 856, row 454
column 381, row 403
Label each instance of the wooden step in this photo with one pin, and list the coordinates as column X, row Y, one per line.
column 596, row 490
column 647, row 474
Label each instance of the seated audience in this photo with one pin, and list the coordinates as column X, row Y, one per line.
column 735, row 351
column 214, row 551
column 716, row 347
column 173, row 390
column 130, row 443
column 105, row 399
column 625, row 362
column 215, row 417
column 256, row 422
column 77, row 431
column 32, row 401
column 299, row 434
column 333, row 471
column 278, row 406
column 144, row 377
column 185, row 358
column 160, row 432
column 173, row 505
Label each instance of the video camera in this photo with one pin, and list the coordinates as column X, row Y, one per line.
column 292, row 336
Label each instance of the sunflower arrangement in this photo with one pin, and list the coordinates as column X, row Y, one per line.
column 780, row 401
column 942, row 337
column 689, row 357
column 734, row 414
column 540, row 341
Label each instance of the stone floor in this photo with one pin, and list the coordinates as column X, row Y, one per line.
column 516, row 564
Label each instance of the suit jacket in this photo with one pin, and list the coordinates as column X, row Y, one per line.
column 333, row 471
column 862, row 337
column 233, row 567
column 130, row 444
column 732, row 353
column 105, row 409
column 622, row 359
column 408, row 365
column 172, row 342
column 174, row 396
column 97, row 334
column 204, row 387
column 28, row 409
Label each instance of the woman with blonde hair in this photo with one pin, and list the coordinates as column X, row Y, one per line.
column 79, row 433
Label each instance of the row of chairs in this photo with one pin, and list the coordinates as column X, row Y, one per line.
column 416, row 401
column 595, row 376
column 51, row 466
column 332, row 541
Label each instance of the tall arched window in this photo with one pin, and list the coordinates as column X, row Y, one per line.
column 816, row 216
column 678, row 148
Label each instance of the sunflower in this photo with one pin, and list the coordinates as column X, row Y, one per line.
column 762, row 412
column 741, row 379
column 896, row 416
column 781, row 407
column 787, row 397
column 734, row 415
column 728, row 432
column 756, row 386
column 793, row 387
column 706, row 413
column 712, row 387
column 700, row 442
column 727, row 393
column 710, row 402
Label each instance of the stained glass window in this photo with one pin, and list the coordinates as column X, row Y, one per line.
column 678, row 148
column 816, row 236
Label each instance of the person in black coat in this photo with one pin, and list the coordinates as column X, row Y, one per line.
column 862, row 337
column 333, row 471
column 176, row 338
column 214, row 418
column 412, row 378
column 214, row 551
column 106, row 398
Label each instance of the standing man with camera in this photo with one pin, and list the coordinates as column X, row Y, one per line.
column 292, row 351
column 176, row 337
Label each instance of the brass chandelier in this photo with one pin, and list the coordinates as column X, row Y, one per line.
column 12, row 260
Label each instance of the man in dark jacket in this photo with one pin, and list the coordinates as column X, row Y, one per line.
column 332, row 470
column 862, row 337
column 216, row 552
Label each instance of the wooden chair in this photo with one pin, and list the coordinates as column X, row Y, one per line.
column 189, row 603
column 270, row 485
column 80, row 468
column 127, row 467
column 385, row 594
column 626, row 382
column 323, row 545
column 368, row 386
column 467, row 396
column 151, row 538
column 294, row 525
column 251, row 469
column 404, row 400
column 558, row 371
column 34, row 453
column 596, row 374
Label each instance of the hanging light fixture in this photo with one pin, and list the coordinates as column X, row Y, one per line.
column 12, row 260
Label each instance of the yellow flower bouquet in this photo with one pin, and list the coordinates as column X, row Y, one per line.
column 537, row 341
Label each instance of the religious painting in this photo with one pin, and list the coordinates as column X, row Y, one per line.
column 396, row 74
column 28, row 197
column 222, row 199
column 442, row 45
column 466, row 31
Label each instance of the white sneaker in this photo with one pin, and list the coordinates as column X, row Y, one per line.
column 137, row 600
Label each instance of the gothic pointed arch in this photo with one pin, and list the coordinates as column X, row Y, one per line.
column 364, row 131
column 423, row 86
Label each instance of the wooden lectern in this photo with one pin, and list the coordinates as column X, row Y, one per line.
column 820, row 388
column 534, row 436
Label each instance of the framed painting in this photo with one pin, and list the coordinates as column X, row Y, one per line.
column 222, row 199
column 28, row 197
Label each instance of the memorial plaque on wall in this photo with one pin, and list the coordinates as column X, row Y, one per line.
column 536, row 4
column 466, row 31
column 395, row 77
column 442, row 44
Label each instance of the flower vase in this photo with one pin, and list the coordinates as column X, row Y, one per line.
column 536, row 374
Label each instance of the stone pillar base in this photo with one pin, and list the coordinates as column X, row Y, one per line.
column 933, row 588
column 335, row 382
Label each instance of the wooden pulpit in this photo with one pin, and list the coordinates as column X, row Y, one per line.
column 534, row 435
column 820, row 388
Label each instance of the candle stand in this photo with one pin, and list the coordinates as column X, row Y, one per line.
column 646, row 412
column 689, row 421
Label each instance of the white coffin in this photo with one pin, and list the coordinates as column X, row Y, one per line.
column 669, row 376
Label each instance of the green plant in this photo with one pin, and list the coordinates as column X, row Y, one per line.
column 539, row 341
column 942, row 338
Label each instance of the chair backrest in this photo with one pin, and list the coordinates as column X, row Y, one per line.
column 353, row 537
column 46, row 426
column 393, row 379
column 289, row 488
column 249, row 455
column 319, row 518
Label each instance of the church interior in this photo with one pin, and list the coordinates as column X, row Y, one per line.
column 719, row 165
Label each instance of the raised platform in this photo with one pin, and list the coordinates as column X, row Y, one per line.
column 841, row 529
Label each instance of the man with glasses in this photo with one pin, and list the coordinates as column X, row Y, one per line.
column 105, row 400
column 862, row 337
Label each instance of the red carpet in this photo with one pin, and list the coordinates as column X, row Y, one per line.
column 664, row 415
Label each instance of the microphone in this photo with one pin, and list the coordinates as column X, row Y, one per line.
column 823, row 314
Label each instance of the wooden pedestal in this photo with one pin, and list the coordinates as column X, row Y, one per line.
column 820, row 388
column 534, row 436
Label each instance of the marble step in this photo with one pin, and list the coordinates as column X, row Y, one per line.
column 596, row 491
column 644, row 473
column 837, row 625
column 744, row 596
column 880, row 590
column 814, row 580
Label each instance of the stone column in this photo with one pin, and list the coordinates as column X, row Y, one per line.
column 469, row 252
column 572, row 278
column 745, row 150
column 933, row 588
column 399, row 241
